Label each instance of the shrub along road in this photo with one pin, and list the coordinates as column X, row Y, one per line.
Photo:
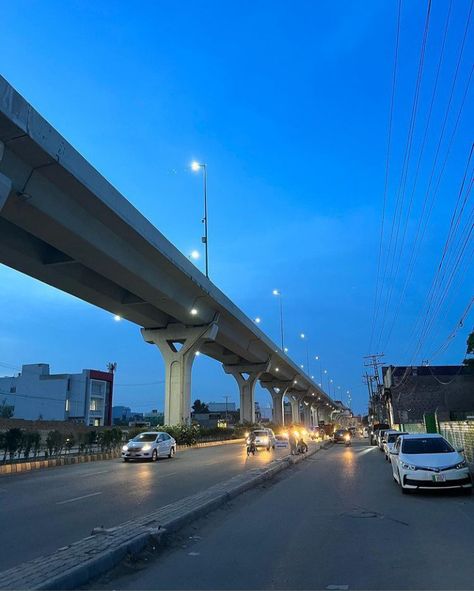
column 45, row 510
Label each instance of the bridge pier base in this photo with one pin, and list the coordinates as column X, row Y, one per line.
column 178, row 344
column 295, row 410
column 246, row 377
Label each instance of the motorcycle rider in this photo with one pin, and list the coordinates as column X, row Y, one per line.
column 251, row 447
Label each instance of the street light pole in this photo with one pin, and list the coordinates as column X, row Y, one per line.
column 277, row 292
column 304, row 338
column 205, row 239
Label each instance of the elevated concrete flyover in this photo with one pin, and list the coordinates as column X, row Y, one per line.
column 62, row 223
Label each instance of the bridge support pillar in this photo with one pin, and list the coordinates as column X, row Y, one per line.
column 178, row 344
column 295, row 410
column 277, row 391
column 246, row 377
column 315, row 411
column 307, row 416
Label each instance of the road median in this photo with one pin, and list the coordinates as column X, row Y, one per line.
column 78, row 563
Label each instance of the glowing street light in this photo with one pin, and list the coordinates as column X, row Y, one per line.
column 196, row 166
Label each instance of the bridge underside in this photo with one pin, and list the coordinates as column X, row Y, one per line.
column 62, row 223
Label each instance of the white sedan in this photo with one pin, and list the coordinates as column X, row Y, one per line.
column 389, row 441
column 428, row 461
column 150, row 445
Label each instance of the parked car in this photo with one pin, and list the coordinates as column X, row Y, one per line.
column 150, row 445
column 374, row 431
column 380, row 437
column 265, row 438
column 389, row 441
column 429, row 461
column 281, row 440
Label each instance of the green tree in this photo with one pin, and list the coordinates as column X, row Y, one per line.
column 35, row 442
column 70, row 442
column 6, row 410
column 3, row 446
column 13, row 441
column 55, row 442
column 470, row 351
column 200, row 407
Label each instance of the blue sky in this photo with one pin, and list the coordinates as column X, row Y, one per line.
column 287, row 103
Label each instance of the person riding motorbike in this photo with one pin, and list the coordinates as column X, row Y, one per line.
column 302, row 446
column 251, row 445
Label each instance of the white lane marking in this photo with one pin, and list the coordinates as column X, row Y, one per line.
column 94, row 473
column 78, row 498
column 366, row 451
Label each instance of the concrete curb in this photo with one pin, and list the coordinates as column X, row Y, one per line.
column 21, row 467
column 75, row 565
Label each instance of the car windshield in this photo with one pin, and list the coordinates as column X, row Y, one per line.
column 145, row 437
column 428, row 445
column 260, row 433
column 341, row 432
column 392, row 437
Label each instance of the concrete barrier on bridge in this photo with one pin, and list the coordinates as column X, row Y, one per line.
column 87, row 559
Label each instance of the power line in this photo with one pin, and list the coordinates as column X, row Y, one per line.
column 429, row 198
column 400, row 199
column 452, row 335
column 417, row 171
column 387, row 170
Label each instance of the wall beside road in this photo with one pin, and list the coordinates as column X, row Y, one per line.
column 460, row 434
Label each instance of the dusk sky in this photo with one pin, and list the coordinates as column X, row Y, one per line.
column 288, row 105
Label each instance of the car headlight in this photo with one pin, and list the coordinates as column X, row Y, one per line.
column 462, row 464
column 125, row 448
column 406, row 466
column 146, row 447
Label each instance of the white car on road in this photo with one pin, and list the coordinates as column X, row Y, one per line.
column 428, row 461
column 150, row 445
column 389, row 441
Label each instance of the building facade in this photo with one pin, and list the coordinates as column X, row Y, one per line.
column 37, row 394
column 411, row 392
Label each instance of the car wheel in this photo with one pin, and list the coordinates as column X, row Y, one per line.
column 172, row 452
column 386, row 457
column 154, row 456
column 125, row 459
column 273, row 447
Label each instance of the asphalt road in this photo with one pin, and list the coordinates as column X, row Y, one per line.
column 45, row 510
column 335, row 521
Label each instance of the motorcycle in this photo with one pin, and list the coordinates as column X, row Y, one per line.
column 251, row 448
column 347, row 440
column 301, row 448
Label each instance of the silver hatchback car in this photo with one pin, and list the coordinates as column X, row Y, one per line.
column 150, row 445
